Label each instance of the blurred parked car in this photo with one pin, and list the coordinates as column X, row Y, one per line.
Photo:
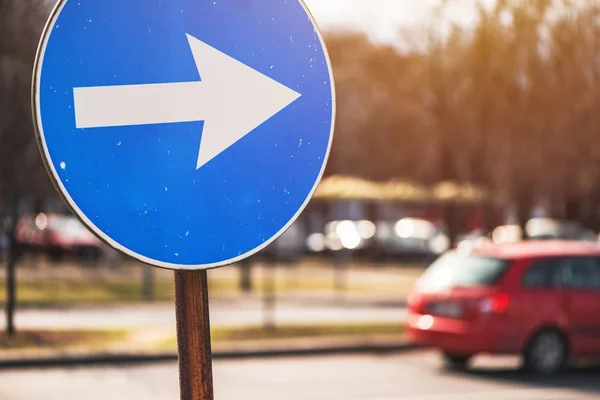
column 538, row 299
column 289, row 247
column 411, row 238
column 472, row 239
column 552, row 229
column 348, row 235
column 505, row 234
column 57, row 236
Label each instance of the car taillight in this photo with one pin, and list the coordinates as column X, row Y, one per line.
column 497, row 304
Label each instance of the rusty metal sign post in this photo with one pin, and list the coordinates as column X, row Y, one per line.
column 193, row 335
column 186, row 134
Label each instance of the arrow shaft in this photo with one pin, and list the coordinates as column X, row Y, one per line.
column 232, row 99
column 109, row 106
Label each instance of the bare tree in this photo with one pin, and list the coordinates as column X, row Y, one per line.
column 509, row 104
column 21, row 170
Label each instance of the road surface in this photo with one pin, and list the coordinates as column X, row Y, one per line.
column 412, row 376
column 241, row 312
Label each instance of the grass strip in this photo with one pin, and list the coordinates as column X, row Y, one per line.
column 78, row 292
column 133, row 340
column 60, row 339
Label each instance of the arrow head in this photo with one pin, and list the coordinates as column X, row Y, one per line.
column 239, row 99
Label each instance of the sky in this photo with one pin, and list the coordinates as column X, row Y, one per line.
column 381, row 19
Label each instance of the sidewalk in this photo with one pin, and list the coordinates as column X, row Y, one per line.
column 225, row 311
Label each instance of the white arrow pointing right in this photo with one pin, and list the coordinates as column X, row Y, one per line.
column 232, row 99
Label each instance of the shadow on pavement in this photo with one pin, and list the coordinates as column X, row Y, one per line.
column 584, row 378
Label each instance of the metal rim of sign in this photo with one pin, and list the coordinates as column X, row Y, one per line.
column 79, row 214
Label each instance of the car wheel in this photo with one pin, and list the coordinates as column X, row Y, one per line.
column 546, row 353
column 456, row 361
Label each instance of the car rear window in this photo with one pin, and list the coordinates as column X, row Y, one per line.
column 544, row 273
column 456, row 269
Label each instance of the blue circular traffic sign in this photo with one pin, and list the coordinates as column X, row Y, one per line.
column 188, row 134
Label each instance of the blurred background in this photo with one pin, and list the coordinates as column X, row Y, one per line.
column 459, row 123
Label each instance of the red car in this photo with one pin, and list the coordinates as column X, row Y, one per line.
column 538, row 299
column 57, row 236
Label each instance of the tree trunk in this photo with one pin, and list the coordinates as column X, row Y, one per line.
column 573, row 209
column 488, row 218
column 340, row 272
column 523, row 216
column 246, row 275
column 148, row 283
column 11, row 265
column 269, row 296
column 452, row 223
